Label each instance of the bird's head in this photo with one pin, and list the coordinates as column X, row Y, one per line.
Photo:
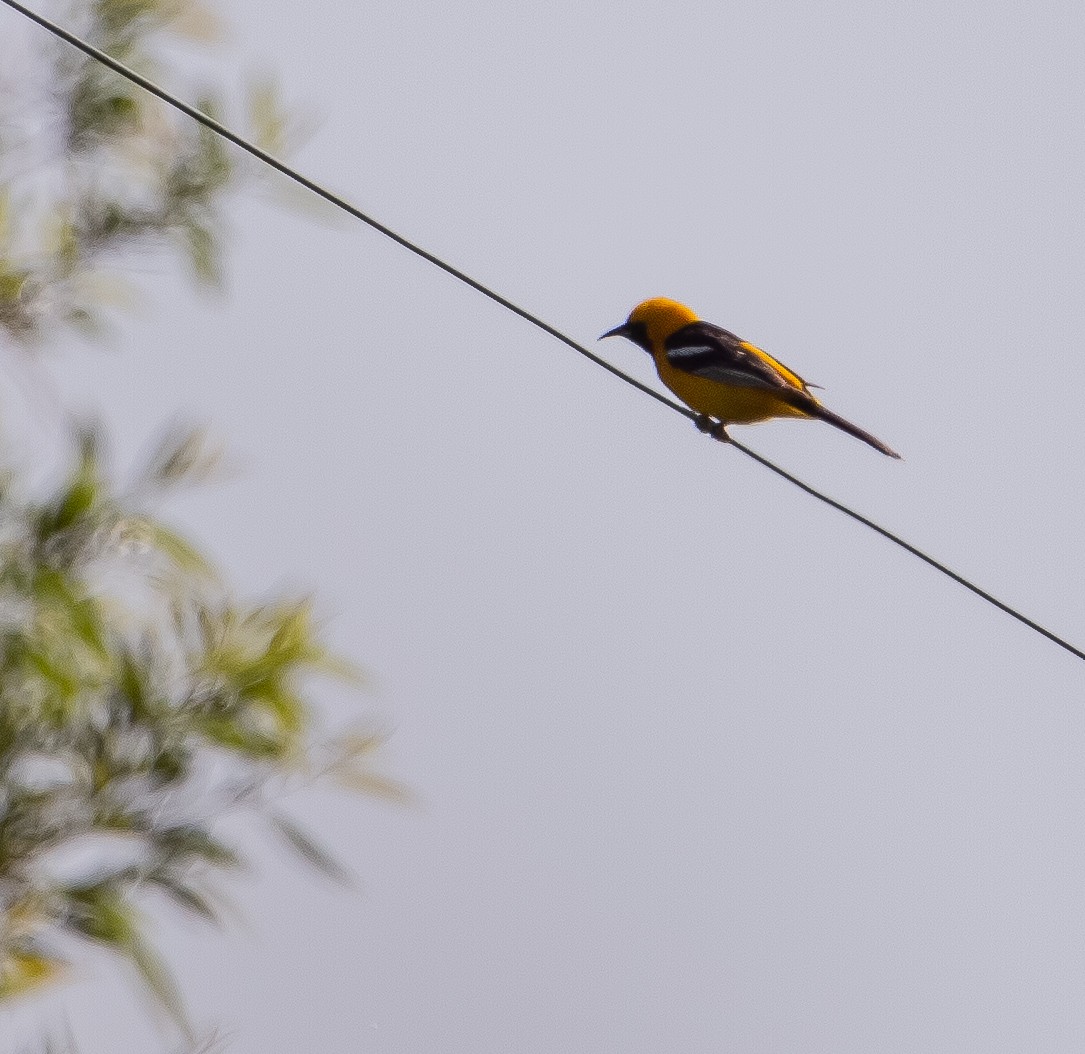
column 653, row 321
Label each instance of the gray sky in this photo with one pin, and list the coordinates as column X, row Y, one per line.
column 703, row 766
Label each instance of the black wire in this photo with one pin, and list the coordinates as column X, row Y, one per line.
column 346, row 206
column 908, row 547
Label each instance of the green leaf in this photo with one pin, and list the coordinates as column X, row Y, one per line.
column 186, row 841
column 267, row 118
column 170, row 766
column 181, row 553
column 24, row 971
column 121, row 108
column 203, row 252
column 86, row 321
column 72, row 505
column 183, row 455
column 82, row 493
column 232, row 735
column 134, row 685
column 315, row 855
column 160, row 982
column 11, row 281
column 341, row 669
column 287, row 709
column 64, row 612
column 99, row 911
column 372, row 784
column 355, row 745
column 187, row 897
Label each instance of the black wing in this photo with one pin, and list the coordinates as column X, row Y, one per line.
column 711, row 352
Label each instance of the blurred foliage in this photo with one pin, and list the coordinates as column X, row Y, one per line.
column 140, row 703
column 130, row 172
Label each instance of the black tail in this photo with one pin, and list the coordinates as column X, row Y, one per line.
column 853, row 430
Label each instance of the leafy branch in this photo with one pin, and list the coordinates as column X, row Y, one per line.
column 140, row 700
column 138, row 704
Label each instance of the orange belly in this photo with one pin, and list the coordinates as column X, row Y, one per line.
column 730, row 403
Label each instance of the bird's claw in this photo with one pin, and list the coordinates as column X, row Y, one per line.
column 716, row 429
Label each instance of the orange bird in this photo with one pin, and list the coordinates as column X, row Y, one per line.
column 721, row 376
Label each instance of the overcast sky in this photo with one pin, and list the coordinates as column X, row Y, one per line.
column 702, row 765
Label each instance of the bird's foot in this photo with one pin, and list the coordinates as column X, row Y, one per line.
column 716, row 429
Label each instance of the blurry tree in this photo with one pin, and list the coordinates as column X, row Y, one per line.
column 139, row 701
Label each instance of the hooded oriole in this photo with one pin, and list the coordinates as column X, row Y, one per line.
column 722, row 376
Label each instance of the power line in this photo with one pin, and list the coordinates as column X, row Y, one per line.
column 527, row 316
column 908, row 547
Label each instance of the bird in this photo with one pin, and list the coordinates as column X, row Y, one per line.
column 724, row 379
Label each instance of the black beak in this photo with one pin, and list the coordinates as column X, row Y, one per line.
column 618, row 331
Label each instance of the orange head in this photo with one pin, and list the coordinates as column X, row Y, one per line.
column 653, row 321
